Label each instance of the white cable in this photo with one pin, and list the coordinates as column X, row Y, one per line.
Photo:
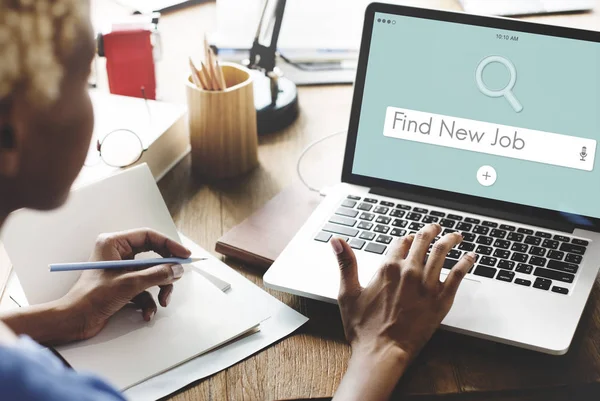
column 305, row 151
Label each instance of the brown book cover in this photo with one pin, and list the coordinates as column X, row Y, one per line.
column 260, row 238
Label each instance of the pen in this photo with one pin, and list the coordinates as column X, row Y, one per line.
column 120, row 264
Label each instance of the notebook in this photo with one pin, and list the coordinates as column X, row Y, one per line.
column 128, row 351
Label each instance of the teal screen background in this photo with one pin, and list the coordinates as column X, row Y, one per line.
column 429, row 66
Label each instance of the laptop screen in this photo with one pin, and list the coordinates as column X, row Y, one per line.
column 493, row 113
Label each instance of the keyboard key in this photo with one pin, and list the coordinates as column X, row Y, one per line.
column 384, row 239
column 481, row 230
column 343, row 211
column 560, row 290
column 576, row 249
column 447, row 223
column 448, row 231
column 342, row 237
column 367, row 216
column 369, row 236
column 485, row 271
column 420, row 210
column 554, row 275
column 519, row 257
column 375, row 248
column 563, row 266
column 468, row 237
column 399, row 223
column 454, row 217
column 506, row 264
column 482, row 239
column 501, row 253
column 483, row 250
column 557, row 255
column 437, row 214
column 579, row 242
column 386, row 203
column 561, row 238
column 507, row 227
column 519, row 248
column 414, row 216
column 489, row 224
column 430, row 219
column 466, row 246
column 365, row 225
column 515, row 237
column 454, row 254
column 472, row 220
column 488, row 261
column 537, row 261
column 323, row 237
column 371, row 200
column 464, row 226
column 449, row 263
column 416, row 226
column 537, row 251
column 543, row 234
column 383, row 220
column 505, row 275
column 397, row 213
column 524, row 268
column 349, row 203
column 345, row 221
column 403, row 207
column 548, row 243
column 497, row 233
column 573, row 258
column 381, row 210
column 347, row 231
column 542, row 283
column 531, row 240
column 353, row 197
column 365, row 206
column 356, row 243
column 520, row 281
column 379, row 228
column 500, row 243
column 525, row 231
column 398, row 232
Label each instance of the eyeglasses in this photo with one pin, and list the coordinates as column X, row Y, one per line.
column 119, row 148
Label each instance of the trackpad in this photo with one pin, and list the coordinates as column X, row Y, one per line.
column 462, row 309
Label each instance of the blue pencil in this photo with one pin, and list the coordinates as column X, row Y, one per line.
column 120, row 264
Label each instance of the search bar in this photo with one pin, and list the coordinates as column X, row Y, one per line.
column 494, row 139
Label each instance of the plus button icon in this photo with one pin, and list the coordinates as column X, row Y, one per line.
column 486, row 176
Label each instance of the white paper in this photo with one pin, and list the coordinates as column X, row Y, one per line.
column 284, row 320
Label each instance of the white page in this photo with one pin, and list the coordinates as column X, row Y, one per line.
column 128, row 350
column 35, row 239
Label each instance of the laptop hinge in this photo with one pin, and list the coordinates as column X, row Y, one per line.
column 469, row 208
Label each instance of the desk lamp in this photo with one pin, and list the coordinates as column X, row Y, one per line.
column 275, row 97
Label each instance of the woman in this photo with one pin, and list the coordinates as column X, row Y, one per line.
column 46, row 121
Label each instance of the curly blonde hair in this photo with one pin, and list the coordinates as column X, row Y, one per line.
column 36, row 37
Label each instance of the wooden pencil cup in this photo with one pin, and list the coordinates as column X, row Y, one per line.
column 223, row 131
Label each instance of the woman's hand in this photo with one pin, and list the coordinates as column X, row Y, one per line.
column 388, row 322
column 99, row 294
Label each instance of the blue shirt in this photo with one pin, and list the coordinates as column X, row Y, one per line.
column 29, row 372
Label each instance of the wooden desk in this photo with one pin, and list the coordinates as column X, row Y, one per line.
column 311, row 362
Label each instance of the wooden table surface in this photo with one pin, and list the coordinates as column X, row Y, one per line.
column 310, row 363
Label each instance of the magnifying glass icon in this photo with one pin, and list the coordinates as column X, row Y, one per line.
column 506, row 92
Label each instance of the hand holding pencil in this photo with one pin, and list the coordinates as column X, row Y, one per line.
column 210, row 76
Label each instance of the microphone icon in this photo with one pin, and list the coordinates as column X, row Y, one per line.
column 583, row 153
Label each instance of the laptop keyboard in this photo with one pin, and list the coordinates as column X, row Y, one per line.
column 510, row 253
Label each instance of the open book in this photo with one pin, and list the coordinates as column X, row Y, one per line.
column 128, row 351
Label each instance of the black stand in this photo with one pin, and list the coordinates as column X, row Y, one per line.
column 275, row 97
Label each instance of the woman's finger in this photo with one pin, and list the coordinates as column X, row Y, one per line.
column 349, row 284
column 141, row 280
column 456, row 275
column 145, row 302
column 399, row 248
column 129, row 243
column 164, row 295
column 421, row 243
column 437, row 256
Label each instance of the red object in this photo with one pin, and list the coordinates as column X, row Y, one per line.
column 130, row 63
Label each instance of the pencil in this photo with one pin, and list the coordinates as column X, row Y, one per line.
column 195, row 75
column 220, row 76
column 120, row 264
column 206, row 74
column 212, row 70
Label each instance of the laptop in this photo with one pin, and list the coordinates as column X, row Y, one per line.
column 487, row 126
column 525, row 7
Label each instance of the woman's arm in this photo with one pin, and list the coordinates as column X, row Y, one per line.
column 390, row 321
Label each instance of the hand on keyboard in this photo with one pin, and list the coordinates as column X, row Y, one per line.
column 388, row 322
